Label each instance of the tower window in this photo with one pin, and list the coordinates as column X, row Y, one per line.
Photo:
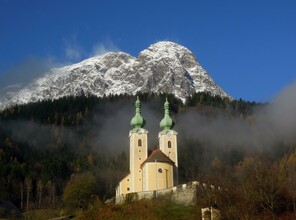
column 169, row 144
column 128, row 189
column 139, row 143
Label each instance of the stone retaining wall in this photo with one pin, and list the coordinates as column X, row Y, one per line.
column 182, row 194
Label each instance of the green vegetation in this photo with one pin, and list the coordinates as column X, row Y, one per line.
column 54, row 160
column 79, row 189
column 42, row 214
column 144, row 209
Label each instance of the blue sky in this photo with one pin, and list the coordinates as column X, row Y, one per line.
column 247, row 46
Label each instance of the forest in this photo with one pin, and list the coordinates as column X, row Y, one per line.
column 57, row 153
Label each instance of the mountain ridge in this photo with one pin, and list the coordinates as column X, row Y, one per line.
column 164, row 67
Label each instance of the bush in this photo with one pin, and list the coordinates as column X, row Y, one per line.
column 79, row 191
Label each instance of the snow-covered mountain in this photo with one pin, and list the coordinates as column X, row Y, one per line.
column 164, row 67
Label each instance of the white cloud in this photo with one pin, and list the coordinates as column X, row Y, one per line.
column 72, row 49
column 103, row 48
column 72, row 53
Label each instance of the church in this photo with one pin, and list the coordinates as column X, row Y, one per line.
column 156, row 171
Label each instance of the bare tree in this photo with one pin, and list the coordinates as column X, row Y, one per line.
column 51, row 191
column 28, row 183
column 260, row 183
column 40, row 187
column 22, row 195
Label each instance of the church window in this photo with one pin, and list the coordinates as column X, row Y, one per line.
column 139, row 171
column 127, row 179
column 128, row 189
column 139, row 158
column 169, row 144
column 160, row 170
column 139, row 143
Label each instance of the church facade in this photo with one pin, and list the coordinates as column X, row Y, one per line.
column 156, row 171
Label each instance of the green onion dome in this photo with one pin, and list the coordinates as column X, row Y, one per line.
column 166, row 123
column 137, row 121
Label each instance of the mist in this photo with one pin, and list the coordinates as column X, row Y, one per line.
column 272, row 124
column 38, row 136
column 109, row 129
column 282, row 113
column 23, row 73
column 113, row 134
column 107, row 132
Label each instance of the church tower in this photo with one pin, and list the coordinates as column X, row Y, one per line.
column 168, row 138
column 138, row 148
column 159, row 170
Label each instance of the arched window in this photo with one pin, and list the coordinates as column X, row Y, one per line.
column 169, row 144
column 139, row 143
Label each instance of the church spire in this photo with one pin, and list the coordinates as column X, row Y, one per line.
column 137, row 121
column 166, row 123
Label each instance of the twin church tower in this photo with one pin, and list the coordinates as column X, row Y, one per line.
column 157, row 170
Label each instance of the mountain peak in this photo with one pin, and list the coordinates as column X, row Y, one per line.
column 164, row 45
column 164, row 67
column 166, row 48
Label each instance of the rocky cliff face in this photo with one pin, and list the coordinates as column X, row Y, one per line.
column 164, row 67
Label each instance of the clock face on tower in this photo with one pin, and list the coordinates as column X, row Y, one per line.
column 140, row 133
column 170, row 134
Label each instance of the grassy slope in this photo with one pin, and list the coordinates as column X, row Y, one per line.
column 144, row 209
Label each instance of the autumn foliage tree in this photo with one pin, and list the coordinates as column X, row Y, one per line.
column 260, row 184
column 80, row 190
column 288, row 170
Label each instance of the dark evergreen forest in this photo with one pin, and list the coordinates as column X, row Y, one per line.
column 48, row 148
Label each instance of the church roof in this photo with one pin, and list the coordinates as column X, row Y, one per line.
column 137, row 121
column 158, row 156
column 166, row 123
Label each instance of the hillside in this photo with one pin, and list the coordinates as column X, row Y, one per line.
column 49, row 146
